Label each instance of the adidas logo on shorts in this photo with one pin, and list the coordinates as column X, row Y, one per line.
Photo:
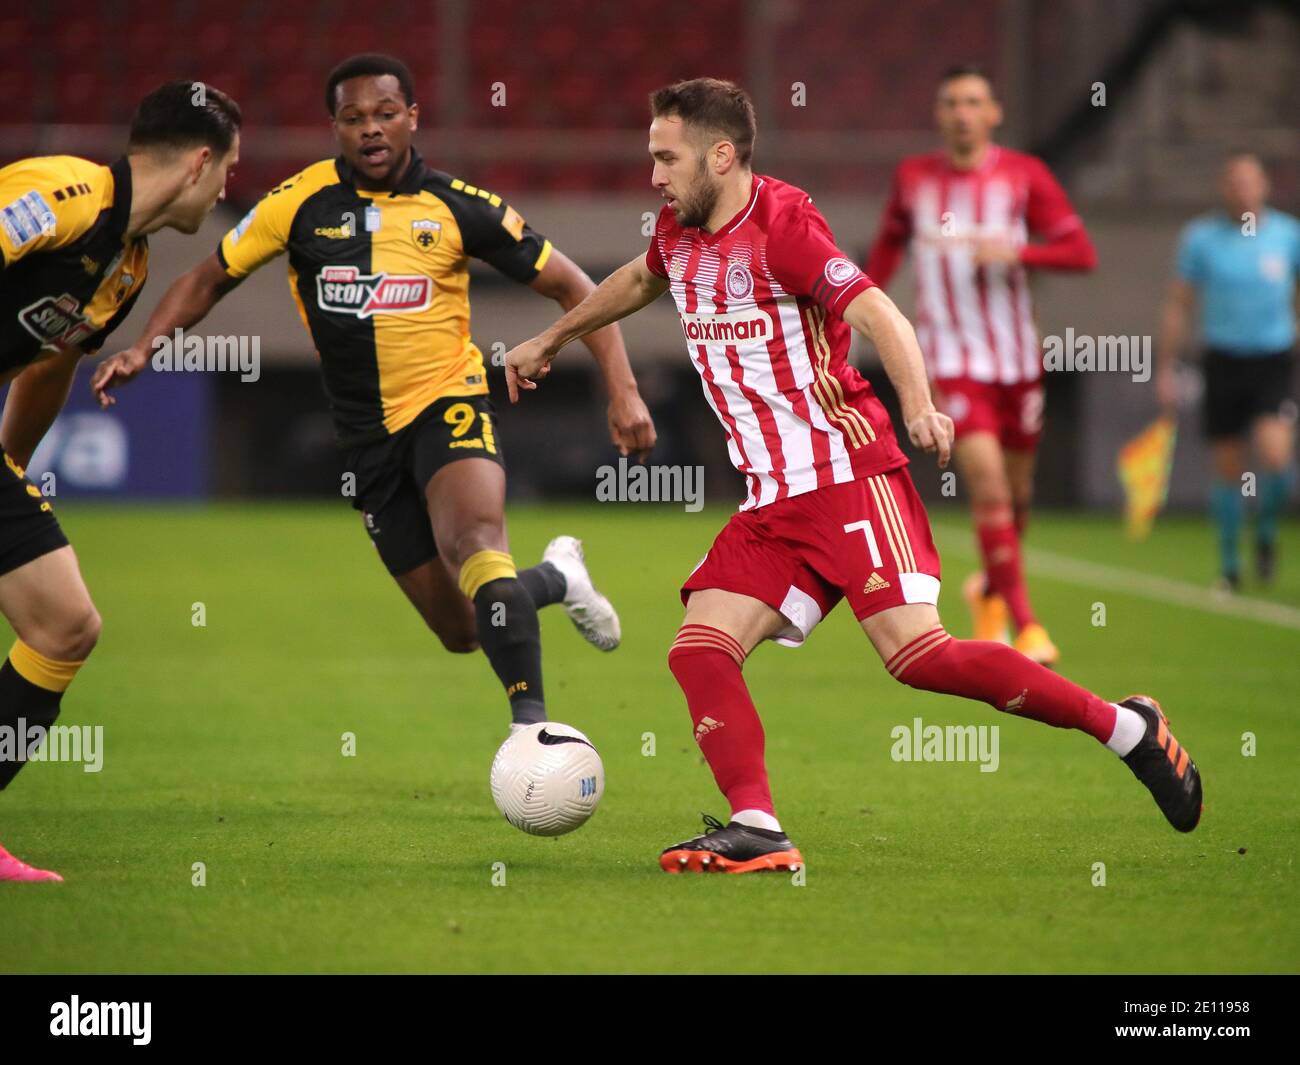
column 875, row 583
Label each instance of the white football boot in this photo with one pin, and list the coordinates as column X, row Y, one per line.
column 590, row 612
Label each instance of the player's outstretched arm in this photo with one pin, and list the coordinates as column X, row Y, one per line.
column 630, row 425
column 892, row 237
column 625, row 291
column 35, row 398
column 874, row 315
column 186, row 303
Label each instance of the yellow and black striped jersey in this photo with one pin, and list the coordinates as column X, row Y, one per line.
column 69, row 276
column 381, row 281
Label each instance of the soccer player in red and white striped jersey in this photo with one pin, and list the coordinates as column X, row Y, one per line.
column 967, row 212
column 767, row 301
column 797, row 416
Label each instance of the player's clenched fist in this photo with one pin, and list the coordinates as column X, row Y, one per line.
column 630, row 426
column 526, row 365
column 932, row 431
column 116, row 370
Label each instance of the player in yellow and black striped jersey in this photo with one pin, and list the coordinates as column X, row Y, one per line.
column 381, row 283
column 74, row 254
column 378, row 247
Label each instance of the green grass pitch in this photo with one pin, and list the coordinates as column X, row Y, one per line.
column 223, row 746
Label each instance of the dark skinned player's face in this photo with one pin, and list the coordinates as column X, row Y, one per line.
column 374, row 123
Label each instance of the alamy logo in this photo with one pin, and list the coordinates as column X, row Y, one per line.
column 946, row 743
column 134, row 1019
column 21, row 742
column 190, row 353
column 1081, row 353
column 346, row 290
column 633, row 482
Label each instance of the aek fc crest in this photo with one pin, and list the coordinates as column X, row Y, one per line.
column 426, row 233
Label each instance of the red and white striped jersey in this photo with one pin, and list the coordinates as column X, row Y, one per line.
column 760, row 303
column 976, row 322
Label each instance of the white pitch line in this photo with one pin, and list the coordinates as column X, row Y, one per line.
column 1145, row 585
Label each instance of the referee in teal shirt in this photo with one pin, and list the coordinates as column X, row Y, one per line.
column 1241, row 266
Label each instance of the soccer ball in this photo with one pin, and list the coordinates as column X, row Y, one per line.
column 547, row 779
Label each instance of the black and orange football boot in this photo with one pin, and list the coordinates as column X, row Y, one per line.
column 732, row 848
column 1164, row 766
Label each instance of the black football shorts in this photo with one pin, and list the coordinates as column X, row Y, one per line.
column 28, row 527
column 1241, row 388
column 391, row 474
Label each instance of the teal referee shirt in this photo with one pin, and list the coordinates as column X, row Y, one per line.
column 1246, row 283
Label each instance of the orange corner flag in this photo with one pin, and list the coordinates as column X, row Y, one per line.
column 1144, row 466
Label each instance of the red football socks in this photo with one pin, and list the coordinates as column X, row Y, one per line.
column 706, row 662
column 1021, row 519
column 1003, row 678
column 1000, row 550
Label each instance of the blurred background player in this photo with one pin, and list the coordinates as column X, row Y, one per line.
column 767, row 302
column 73, row 235
column 1240, row 264
column 378, row 247
column 966, row 211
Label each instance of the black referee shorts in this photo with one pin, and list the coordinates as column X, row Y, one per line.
column 1241, row 388
column 28, row 527
column 391, row 474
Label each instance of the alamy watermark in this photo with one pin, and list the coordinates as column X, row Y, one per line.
column 66, row 743
column 632, row 482
column 77, row 1018
column 919, row 742
column 197, row 354
column 1075, row 353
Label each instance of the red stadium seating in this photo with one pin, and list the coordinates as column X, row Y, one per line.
column 566, row 65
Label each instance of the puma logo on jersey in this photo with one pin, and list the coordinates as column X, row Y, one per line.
column 1016, row 703
column 875, row 583
column 346, row 290
column 706, row 725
